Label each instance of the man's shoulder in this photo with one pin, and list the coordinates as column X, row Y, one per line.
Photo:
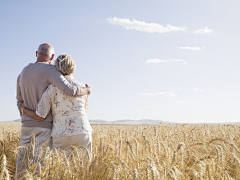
column 36, row 69
column 38, row 66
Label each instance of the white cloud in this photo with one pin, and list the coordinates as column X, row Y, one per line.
column 205, row 30
column 179, row 60
column 154, row 61
column 143, row 26
column 158, row 94
column 196, row 89
column 192, row 48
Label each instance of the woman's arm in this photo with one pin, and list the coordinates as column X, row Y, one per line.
column 32, row 114
column 45, row 102
column 43, row 106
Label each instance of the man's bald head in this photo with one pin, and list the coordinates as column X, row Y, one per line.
column 45, row 52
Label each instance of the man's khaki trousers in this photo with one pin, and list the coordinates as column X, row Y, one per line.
column 33, row 144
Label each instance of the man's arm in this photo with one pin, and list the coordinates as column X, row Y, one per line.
column 19, row 97
column 57, row 79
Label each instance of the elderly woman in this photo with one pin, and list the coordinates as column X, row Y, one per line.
column 70, row 122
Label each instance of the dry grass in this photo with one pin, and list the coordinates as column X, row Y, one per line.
column 137, row 152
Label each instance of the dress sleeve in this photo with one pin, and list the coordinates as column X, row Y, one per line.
column 87, row 103
column 45, row 103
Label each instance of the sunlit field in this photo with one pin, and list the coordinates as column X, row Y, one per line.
column 135, row 152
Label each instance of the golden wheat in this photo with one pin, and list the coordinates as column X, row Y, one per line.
column 133, row 152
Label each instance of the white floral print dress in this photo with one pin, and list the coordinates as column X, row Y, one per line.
column 69, row 113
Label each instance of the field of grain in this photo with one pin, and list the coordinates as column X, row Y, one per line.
column 135, row 152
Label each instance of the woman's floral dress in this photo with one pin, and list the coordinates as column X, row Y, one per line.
column 69, row 113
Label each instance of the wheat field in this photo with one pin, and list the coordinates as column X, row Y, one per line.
column 135, row 152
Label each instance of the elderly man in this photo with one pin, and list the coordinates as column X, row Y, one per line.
column 31, row 83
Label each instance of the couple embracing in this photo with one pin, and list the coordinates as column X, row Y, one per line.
column 52, row 105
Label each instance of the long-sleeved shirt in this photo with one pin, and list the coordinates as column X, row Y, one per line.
column 69, row 113
column 32, row 82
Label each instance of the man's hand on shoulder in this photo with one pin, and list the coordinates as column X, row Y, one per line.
column 85, row 90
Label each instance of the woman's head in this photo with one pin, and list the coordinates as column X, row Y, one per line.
column 65, row 64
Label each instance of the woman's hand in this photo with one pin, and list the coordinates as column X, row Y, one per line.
column 22, row 108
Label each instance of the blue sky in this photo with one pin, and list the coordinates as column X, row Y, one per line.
column 165, row 60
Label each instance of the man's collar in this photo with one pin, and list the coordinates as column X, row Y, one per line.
column 39, row 62
column 43, row 62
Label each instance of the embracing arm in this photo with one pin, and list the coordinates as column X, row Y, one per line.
column 43, row 106
column 57, row 79
column 32, row 114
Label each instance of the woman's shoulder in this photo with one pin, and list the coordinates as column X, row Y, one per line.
column 51, row 89
column 51, row 86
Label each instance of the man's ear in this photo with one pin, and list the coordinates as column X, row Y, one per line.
column 36, row 53
column 52, row 57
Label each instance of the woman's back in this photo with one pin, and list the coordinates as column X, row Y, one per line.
column 69, row 113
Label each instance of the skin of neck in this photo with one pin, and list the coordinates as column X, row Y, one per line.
column 44, row 58
column 43, row 61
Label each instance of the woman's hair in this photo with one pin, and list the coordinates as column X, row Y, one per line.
column 65, row 64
